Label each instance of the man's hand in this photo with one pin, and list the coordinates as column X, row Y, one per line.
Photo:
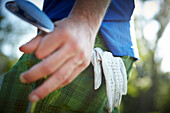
column 66, row 51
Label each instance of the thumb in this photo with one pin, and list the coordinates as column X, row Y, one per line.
column 32, row 45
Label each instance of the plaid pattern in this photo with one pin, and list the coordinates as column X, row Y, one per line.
column 78, row 96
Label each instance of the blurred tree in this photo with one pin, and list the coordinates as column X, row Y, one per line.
column 5, row 29
column 11, row 33
column 149, row 87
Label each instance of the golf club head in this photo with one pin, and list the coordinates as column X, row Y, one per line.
column 31, row 14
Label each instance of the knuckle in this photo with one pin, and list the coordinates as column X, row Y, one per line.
column 28, row 79
column 68, row 81
column 65, row 32
column 86, row 63
column 60, row 77
column 46, row 68
column 75, row 45
column 38, row 55
column 44, row 89
column 82, row 55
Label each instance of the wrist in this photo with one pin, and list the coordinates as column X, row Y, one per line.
column 84, row 19
column 84, row 22
column 90, row 11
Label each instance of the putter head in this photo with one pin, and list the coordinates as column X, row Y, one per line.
column 31, row 14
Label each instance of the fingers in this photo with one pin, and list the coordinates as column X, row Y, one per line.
column 51, row 42
column 61, row 77
column 32, row 45
column 48, row 65
column 76, row 71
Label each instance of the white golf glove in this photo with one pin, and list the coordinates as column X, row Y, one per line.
column 114, row 73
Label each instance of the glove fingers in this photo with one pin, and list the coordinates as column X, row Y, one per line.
column 120, row 84
column 124, row 74
column 115, row 76
column 97, row 70
column 110, row 83
column 117, row 79
column 120, row 99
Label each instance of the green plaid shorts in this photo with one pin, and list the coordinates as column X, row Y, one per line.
column 77, row 97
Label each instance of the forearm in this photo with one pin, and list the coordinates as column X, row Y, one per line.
column 90, row 11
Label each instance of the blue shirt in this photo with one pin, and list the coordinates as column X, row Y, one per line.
column 115, row 27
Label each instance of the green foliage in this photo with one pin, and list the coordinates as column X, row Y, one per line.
column 5, row 62
column 9, row 34
column 148, row 86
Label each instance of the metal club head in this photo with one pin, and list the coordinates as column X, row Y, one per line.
column 31, row 14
